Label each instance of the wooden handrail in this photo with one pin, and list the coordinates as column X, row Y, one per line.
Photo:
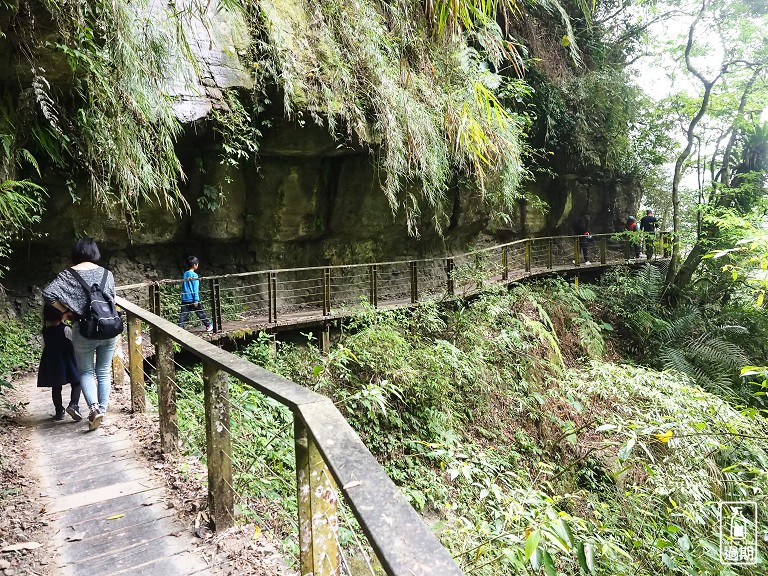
column 403, row 543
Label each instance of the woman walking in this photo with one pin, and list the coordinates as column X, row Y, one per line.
column 94, row 357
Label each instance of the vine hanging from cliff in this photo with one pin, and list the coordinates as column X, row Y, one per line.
column 116, row 124
column 373, row 73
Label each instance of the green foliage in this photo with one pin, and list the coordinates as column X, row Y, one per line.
column 117, row 125
column 706, row 342
column 18, row 353
column 237, row 128
column 525, row 458
column 21, row 203
column 428, row 109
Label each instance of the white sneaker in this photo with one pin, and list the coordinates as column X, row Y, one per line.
column 209, row 328
column 587, row 263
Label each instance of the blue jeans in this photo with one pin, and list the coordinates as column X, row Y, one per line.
column 96, row 376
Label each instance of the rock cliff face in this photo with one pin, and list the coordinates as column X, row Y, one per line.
column 304, row 201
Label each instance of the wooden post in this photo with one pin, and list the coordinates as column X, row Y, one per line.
column 166, row 393
column 317, row 502
column 136, row 365
column 373, row 273
column 218, row 444
column 414, row 283
column 154, row 298
column 449, row 265
column 504, row 263
column 272, row 294
column 326, row 291
column 549, row 253
column 603, row 250
column 216, row 307
column 118, row 364
column 528, row 255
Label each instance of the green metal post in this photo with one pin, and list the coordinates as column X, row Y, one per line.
column 373, row 273
column 505, row 263
column 528, row 255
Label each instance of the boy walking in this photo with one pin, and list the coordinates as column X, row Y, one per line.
column 190, row 296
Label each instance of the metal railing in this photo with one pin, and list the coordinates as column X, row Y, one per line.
column 328, row 452
column 269, row 299
column 331, row 460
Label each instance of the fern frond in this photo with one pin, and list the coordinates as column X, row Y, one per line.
column 674, row 359
column 31, row 160
column 651, row 283
column 717, row 351
column 681, row 326
column 41, row 87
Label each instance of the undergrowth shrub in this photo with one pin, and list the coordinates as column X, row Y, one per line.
column 522, row 458
column 707, row 342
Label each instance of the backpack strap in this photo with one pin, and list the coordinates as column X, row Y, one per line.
column 76, row 275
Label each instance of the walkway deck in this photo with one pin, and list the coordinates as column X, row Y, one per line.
column 106, row 512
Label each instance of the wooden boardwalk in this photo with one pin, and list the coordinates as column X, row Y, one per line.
column 107, row 514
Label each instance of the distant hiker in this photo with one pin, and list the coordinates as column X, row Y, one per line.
column 190, row 296
column 58, row 366
column 635, row 242
column 582, row 231
column 648, row 225
column 67, row 294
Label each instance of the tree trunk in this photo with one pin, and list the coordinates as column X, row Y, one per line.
column 692, row 261
column 683, row 156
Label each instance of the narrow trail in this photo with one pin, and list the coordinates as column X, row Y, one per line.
column 106, row 512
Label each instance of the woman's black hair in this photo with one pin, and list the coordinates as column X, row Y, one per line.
column 85, row 250
column 51, row 313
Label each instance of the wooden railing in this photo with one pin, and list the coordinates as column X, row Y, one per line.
column 331, row 460
column 279, row 298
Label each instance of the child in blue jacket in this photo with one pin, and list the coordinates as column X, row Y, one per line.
column 190, row 296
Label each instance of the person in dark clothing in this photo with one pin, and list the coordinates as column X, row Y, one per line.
column 635, row 243
column 648, row 225
column 582, row 231
column 58, row 365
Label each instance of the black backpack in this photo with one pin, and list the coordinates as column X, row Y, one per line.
column 101, row 319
